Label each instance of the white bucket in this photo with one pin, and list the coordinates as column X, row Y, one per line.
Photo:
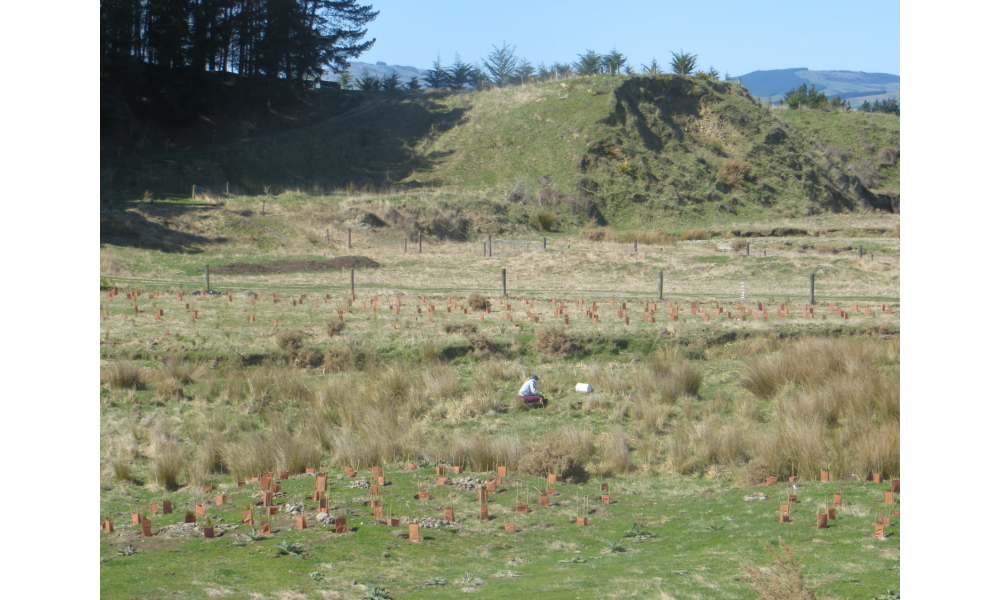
column 584, row 388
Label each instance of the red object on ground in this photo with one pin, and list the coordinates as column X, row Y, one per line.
column 533, row 399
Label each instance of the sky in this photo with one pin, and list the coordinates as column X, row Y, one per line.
column 734, row 37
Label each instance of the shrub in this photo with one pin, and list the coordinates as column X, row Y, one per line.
column 715, row 147
column 305, row 358
column 337, row 360
column 289, row 340
column 739, row 244
column 554, row 341
column 124, row 375
column 543, row 221
column 479, row 343
column 334, row 327
column 694, row 234
column 478, row 302
column 733, row 171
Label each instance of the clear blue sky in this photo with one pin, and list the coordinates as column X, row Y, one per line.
column 734, row 36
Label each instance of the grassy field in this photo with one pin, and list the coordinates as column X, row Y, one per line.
column 697, row 398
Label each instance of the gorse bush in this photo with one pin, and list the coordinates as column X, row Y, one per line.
column 694, row 234
column 478, row 302
column 734, row 171
column 124, row 375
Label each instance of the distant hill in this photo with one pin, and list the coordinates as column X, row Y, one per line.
column 857, row 86
column 379, row 69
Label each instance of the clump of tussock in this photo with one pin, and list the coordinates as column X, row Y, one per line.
column 478, row 302
column 666, row 378
column 441, row 382
column 124, row 375
column 734, row 171
column 289, row 340
column 613, row 450
column 739, row 244
column 167, row 465
column 334, row 327
column 496, row 374
column 594, row 233
column 695, row 234
column 180, row 370
column 565, row 452
column 782, row 581
column 338, row 360
column 304, row 358
column 479, row 343
column 554, row 341
column 484, row 452
column 247, row 456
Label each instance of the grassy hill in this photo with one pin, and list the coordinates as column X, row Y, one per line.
column 624, row 150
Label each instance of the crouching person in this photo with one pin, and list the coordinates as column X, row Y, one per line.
column 529, row 393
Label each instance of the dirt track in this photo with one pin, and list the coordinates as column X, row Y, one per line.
column 291, row 266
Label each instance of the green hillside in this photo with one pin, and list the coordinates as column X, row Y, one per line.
column 615, row 148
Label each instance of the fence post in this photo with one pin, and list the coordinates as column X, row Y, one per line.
column 748, row 248
column 262, row 203
column 192, row 191
column 348, row 238
column 404, row 245
column 635, row 245
column 227, row 188
column 812, row 288
column 484, row 249
column 543, row 242
column 861, row 252
column 352, row 284
column 503, row 281
column 207, row 286
column 327, row 236
column 661, row 285
column 490, row 238
column 420, row 242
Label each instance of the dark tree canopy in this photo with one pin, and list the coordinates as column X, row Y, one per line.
column 290, row 39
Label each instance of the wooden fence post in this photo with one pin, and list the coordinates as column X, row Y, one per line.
column 661, row 285
column 352, row 283
column 812, row 288
column 503, row 281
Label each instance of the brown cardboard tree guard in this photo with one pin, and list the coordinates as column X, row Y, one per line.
column 378, row 512
column 838, row 500
column 248, row 517
column 135, row 518
column 209, row 532
column 220, row 499
column 895, row 486
column 153, row 508
column 147, row 528
column 821, row 520
column 439, row 470
column 109, row 526
column 199, row 510
column 543, row 500
column 581, row 520
column 449, row 515
column 605, row 498
column 785, row 519
column 783, row 509
column 771, row 480
column 442, row 481
column 877, row 477
column 340, row 525
column 483, row 496
column 522, row 508
column 300, row 522
column 502, row 471
column 266, row 529
column 423, row 495
column 889, row 497
column 510, row 527
column 831, row 514
column 484, row 512
column 824, row 476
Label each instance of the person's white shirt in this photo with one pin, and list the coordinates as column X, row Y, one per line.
column 528, row 389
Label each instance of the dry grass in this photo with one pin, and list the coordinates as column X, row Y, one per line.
column 753, row 473
column 734, row 171
column 594, row 233
column 124, row 375
column 168, row 464
column 695, row 234
column 782, row 581
column 565, row 452
column 613, row 452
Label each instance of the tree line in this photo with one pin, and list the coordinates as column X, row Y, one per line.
column 287, row 39
column 503, row 68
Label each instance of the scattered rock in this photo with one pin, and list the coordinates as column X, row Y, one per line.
column 755, row 496
column 469, row 484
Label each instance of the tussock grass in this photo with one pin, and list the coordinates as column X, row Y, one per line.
column 168, row 464
column 566, row 452
column 595, row 233
column 334, row 327
column 124, row 375
column 734, row 171
column 694, row 234
column 613, row 452
column 544, row 221
column 783, row 580
column 648, row 238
